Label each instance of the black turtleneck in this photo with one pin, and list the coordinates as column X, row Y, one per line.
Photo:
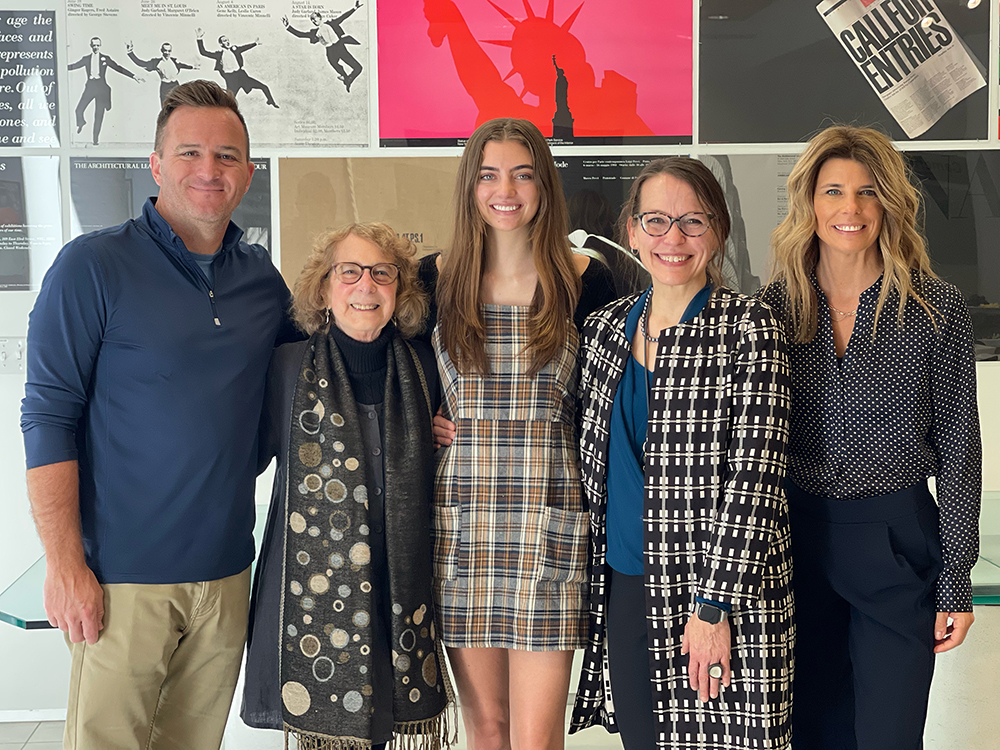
column 366, row 363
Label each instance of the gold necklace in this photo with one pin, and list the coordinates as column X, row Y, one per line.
column 841, row 313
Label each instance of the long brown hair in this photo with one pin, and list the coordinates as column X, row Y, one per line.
column 459, row 291
column 900, row 243
column 706, row 189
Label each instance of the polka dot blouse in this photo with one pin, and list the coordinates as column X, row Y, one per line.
column 900, row 406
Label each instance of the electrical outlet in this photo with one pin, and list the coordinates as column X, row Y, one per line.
column 12, row 355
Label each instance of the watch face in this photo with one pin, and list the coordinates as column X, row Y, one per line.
column 708, row 613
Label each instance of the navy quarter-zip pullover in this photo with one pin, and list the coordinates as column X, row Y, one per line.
column 153, row 378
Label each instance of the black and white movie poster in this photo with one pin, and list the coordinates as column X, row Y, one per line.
column 299, row 70
column 107, row 192
column 30, row 219
column 597, row 186
column 29, row 106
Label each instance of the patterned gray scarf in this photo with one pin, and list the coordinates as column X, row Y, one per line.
column 327, row 602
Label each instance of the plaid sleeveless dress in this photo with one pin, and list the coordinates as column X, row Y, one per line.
column 511, row 531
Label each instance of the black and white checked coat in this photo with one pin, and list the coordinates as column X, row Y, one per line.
column 715, row 517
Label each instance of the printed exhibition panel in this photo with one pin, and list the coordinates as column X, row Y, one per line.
column 106, row 192
column 961, row 192
column 780, row 70
column 410, row 194
column 591, row 72
column 30, row 219
column 300, row 74
column 29, row 97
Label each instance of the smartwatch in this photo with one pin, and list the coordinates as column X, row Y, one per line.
column 710, row 613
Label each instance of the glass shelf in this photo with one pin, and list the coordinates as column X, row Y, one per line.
column 21, row 603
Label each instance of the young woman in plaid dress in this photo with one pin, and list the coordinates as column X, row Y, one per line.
column 684, row 402
column 509, row 522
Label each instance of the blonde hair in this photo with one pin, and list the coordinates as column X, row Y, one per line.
column 902, row 248
column 706, row 189
column 459, row 291
column 309, row 304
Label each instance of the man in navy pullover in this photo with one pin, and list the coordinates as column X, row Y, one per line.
column 147, row 353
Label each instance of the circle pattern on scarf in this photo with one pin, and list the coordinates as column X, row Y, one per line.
column 407, row 640
column 418, row 616
column 361, row 554
column 351, row 464
column 402, row 663
column 361, row 618
column 323, row 669
column 310, row 454
column 313, row 482
column 336, row 560
column 319, row 584
column 340, row 521
column 297, row 522
column 296, row 587
column 414, row 695
column 353, row 701
column 429, row 670
column 309, row 645
column 338, row 421
column 309, row 421
column 361, row 494
column 339, row 638
column 336, row 491
column 344, row 590
column 302, row 557
column 296, row 698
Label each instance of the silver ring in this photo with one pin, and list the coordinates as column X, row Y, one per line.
column 715, row 671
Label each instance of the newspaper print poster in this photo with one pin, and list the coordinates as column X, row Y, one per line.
column 772, row 71
column 299, row 70
column 106, row 192
column 29, row 99
column 909, row 54
column 596, row 72
column 30, row 219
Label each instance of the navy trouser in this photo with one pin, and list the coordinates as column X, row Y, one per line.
column 865, row 573
column 628, row 661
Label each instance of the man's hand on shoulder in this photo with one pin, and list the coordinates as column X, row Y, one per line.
column 74, row 601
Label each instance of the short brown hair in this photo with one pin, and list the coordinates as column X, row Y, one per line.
column 309, row 306
column 706, row 189
column 196, row 94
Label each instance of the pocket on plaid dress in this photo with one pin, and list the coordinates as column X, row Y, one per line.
column 447, row 529
column 564, row 546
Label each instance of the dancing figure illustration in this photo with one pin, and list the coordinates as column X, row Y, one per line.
column 97, row 89
column 331, row 35
column 166, row 66
column 229, row 64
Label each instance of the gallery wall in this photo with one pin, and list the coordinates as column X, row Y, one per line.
column 371, row 127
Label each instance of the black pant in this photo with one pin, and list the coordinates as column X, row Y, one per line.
column 97, row 91
column 865, row 573
column 628, row 661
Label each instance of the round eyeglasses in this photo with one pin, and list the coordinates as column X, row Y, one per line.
column 351, row 273
column 655, row 224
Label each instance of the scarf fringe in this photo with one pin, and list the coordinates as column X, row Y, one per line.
column 437, row 733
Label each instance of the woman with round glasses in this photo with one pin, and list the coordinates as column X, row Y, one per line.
column 342, row 649
column 685, row 397
column 509, row 522
column 884, row 392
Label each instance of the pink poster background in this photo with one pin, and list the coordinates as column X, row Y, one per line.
column 647, row 42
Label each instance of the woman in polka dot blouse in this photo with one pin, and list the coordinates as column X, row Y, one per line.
column 883, row 397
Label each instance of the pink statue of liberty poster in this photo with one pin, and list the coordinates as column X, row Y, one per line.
column 584, row 71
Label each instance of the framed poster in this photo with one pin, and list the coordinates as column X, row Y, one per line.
column 597, row 72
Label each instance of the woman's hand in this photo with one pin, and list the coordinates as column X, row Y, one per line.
column 948, row 636
column 705, row 645
column 444, row 431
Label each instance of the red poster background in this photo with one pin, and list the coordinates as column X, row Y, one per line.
column 627, row 67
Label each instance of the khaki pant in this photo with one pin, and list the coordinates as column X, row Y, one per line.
column 163, row 671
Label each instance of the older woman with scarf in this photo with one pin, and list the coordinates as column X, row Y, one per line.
column 342, row 650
